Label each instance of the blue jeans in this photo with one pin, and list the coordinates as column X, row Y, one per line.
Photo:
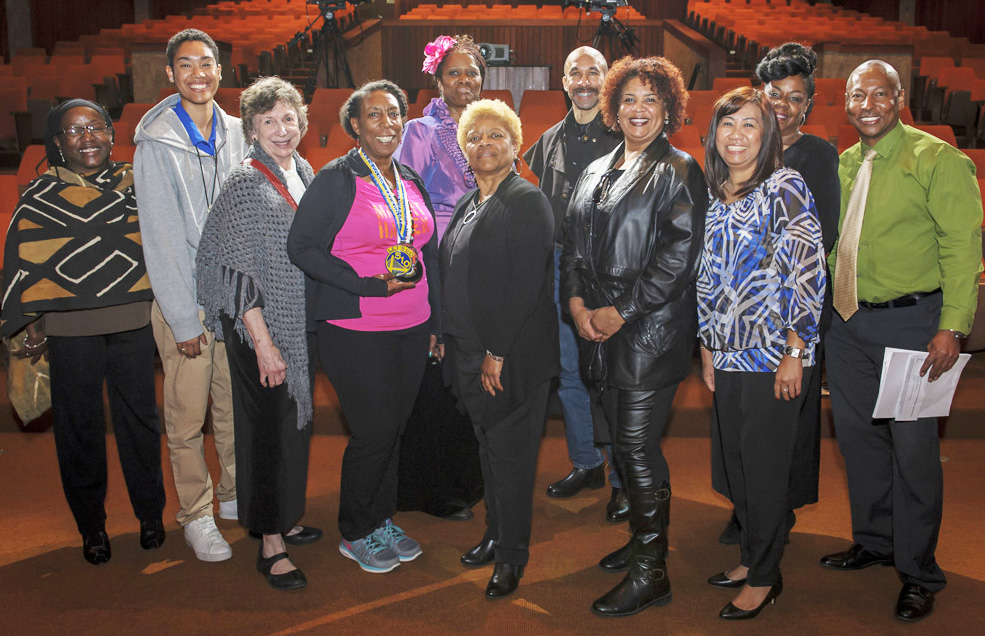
column 574, row 398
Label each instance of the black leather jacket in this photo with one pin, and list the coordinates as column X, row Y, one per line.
column 639, row 252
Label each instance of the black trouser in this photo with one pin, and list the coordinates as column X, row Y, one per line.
column 895, row 481
column 79, row 365
column 508, row 448
column 271, row 452
column 758, row 433
column 637, row 420
column 376, row 375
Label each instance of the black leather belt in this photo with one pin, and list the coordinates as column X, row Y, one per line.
column 903, row 301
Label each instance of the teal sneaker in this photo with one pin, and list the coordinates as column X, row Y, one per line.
column 397, row 540
column 371, row 554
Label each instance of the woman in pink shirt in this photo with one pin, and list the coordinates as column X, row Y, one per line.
column 364, row 234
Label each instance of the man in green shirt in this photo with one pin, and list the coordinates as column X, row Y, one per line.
column 918, row 262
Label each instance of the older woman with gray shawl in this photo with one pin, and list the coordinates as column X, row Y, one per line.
column 254, row 300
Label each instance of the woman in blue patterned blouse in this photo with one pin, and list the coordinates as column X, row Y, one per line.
column 760, row 289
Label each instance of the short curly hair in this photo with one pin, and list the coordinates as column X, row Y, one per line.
column 190, row 35
column 660, row 74
column 490, row 108
column 463, row 44
column 352, row 107
column 262, row 96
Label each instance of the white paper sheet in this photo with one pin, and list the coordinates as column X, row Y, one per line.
column 905, row 396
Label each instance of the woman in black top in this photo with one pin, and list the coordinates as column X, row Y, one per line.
column 497, row 272
column 787, row 73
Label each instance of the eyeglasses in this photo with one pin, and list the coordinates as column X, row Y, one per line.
column 74, row 132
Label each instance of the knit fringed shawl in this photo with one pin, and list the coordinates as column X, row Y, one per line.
column 242, row 263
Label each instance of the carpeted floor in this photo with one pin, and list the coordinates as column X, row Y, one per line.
column 47, row 588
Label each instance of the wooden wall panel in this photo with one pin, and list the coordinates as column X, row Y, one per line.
column 540, row 43
column 963, row 18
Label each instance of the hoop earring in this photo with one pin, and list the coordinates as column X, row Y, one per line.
column 517, row 166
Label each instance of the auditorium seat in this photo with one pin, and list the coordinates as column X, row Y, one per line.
column 723, row 85
column 945, row 133
column 977, row 155
column 829, row 91
column 33, row 163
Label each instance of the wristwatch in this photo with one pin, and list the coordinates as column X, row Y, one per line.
column 957, row 334
column 793, row 352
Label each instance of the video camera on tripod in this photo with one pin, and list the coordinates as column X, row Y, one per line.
column 328, row 8
column 606, row 7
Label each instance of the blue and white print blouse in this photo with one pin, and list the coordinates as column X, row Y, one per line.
column 762, row 272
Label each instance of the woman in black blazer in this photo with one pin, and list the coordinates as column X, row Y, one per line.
column 497, row 270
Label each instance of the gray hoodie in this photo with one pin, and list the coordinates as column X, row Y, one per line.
column 171, row 182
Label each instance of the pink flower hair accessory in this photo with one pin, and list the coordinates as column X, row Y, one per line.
column 435, row 51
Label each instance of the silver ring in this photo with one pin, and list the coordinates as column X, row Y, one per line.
column 784, row 390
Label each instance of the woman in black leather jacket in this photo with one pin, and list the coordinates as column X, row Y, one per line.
column 633, row 236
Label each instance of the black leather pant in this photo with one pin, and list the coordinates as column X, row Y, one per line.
column 637, row 420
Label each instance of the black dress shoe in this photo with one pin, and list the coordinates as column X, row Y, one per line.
column 617, row 510
column 732, row 613
column 915, row 603
column 462, row 514
column 292, row 580
column 95, row 548
column 306, row 535
column 504, row 581
column 722, row 580
column 482, row 554
column 617, row 561
column 577, row 480
column 151, row 534
column 855, row 558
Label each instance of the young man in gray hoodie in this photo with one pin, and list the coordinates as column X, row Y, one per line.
column 186, row 145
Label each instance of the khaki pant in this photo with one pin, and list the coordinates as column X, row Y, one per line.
column 187, row 384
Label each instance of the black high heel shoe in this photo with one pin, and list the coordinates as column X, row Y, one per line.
column 722, row 580
column 732, row 613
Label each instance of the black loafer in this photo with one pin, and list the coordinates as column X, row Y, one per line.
column 292, row 580
column 722, row 580
column 576, row 481
column 915, row 603
column 151, row 534
column 617, row 510
column 95, row 548
column 855, row 558
column 480, row 555
column 306, row 535
column 504, row 581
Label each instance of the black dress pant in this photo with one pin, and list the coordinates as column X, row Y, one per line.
column 758, row 435
column 376, row 375
column 637, row 420
column 271, row 452
column 79, row 365
column 895, row 481
column 508, row 448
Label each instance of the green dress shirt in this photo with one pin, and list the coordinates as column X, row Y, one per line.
column 922, row 228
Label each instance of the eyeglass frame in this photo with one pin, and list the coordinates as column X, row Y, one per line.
column 96, row 130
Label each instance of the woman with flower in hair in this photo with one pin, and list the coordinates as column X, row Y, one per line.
column 430, row 143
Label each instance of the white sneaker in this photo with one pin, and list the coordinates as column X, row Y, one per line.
column 205, row 539
column 228, row 510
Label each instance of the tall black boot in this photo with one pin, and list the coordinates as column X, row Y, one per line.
column 618, row 561
column 646, row 583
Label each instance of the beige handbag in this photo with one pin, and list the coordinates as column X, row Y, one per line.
column 28, row 385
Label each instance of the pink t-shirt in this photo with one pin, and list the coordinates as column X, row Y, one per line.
column 363, row 242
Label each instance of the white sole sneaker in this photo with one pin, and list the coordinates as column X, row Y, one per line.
column 228, row 510
column 205, row 540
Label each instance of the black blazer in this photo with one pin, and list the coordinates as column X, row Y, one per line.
column 332, row 286
column 638, row 253
column 511, row 284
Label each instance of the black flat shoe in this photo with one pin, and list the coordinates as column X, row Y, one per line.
column 722, row 580
column 855, row 558
column 504, row 581
column 292, row 580
column 151, row 534
column 617, row 561
column 306, row 535
column 915, row 603
column 576, row 481
column 462, row 514
column 732, row 613
column 482, row 554
column 95, row 548
column 617, row 510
